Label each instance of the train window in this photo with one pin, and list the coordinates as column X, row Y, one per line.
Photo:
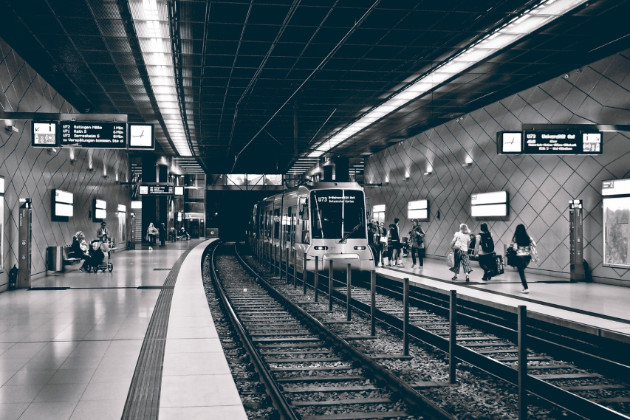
column 276, row 224
column 338, row 214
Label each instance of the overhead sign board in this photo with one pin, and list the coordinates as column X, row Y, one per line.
column 568, row 141
column 105, row 135
column 571, row 142
column 157, row 189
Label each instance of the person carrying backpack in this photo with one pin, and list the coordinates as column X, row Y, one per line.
column 484, row 250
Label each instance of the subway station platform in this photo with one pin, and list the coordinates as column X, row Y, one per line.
column 72, row 346
column 591, row 305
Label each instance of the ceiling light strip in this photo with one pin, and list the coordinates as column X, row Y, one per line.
column 532, row 20
column 152, row 27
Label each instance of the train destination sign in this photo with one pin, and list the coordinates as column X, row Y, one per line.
column 105, row 135
column 569, row 142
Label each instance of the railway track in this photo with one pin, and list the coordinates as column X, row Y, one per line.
column 309, row 372
column 587, row 377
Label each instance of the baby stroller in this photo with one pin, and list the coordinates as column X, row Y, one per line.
column 98, row 251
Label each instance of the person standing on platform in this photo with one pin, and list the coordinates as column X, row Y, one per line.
column 372, row 241
column 394, row 239
column 103, row 233
column 459, row 244
column 416, row 236
column 525, row 248
column 484, row 249
column 162, row 234
column 152, row 233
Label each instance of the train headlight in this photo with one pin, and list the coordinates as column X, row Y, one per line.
column 360, row 248
column 321, row 248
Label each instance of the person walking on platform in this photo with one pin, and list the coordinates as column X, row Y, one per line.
column 484, row 250
column 382, row 249
column 525, row 248
column 373, row 241
column 459, row 244
column 416, row 236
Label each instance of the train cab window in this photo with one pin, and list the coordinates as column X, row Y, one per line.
column 338, row 214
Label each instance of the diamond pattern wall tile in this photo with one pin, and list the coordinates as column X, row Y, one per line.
column 539, row 187
column 33, row 172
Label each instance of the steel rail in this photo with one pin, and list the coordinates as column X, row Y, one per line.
column 412, row 397
column 273, row 389
column 548, row 392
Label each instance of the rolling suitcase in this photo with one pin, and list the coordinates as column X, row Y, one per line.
column 498, row 266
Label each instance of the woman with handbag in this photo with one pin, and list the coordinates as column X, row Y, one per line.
column 459, row 244
column 525, row 248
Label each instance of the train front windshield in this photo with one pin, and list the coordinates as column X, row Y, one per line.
column 338, row 214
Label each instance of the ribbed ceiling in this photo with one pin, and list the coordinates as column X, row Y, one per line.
column 261, row 81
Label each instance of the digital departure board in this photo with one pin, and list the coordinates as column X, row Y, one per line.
column 565, row 142
column 104, row 135
column 157, row 189
column 570, row 141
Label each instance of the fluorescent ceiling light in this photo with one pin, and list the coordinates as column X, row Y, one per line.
column 152, row 27
column 519, row 27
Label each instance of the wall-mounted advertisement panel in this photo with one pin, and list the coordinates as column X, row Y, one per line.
column 491, row 204
column 616, row 209
column 100, row 210
column 103, row 135
column 44, row 134
column 418, row 210
column 378, row 213
column 62, row 204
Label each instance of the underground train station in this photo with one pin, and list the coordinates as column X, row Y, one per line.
column 314, row 209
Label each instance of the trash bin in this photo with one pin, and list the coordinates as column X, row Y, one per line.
column 54, row 256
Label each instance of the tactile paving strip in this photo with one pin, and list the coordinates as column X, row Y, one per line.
column 143, row 399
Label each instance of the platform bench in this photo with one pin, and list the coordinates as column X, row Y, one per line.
column 70, row 262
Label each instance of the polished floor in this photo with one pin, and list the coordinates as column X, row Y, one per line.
column 71, row 353
column 590, row 304
column 69, row 347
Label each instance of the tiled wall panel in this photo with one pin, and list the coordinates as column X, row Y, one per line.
column 540, row 187
column 34, row 172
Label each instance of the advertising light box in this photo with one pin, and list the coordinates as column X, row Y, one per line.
column 418, row 210
column 62, row 205
column 490, row 204
column 103, row 135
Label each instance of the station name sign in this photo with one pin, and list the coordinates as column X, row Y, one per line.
column 550, row 142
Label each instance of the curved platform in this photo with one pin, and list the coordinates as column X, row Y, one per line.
column 71, row 346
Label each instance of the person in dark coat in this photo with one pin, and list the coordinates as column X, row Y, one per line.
column 162, row 234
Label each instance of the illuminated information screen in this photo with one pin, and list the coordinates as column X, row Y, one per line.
column 157, row 189
column 105, row 135
column 562, row 142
